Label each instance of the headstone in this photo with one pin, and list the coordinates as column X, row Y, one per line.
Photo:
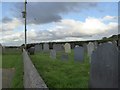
column 38, row 48
column 58, row 47
column 67, row 48
column 53, row 54
column 90, row 49
column 79, row 54
column 104, row 67
column 114, row 43
column 31, row 50
column 95, row 45
column 85, row 47
column 46, row 47
column 76, row 45
column 64, row 56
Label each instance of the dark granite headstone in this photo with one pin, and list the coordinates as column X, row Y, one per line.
column 31, row 50
column 64, row 56
column 79, row 54
column 53, row 54
column 104, row 67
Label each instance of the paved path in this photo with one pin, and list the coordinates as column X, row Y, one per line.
column 7, row 76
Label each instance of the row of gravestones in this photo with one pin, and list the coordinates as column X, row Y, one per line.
column 104, row 70
column 56, row 47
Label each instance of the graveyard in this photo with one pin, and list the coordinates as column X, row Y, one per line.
column 59, row 45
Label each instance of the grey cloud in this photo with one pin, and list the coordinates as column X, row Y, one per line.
column 46, row 12
column 6, row 20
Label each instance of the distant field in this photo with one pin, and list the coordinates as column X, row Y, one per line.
column 12, row 58
column 62, row 74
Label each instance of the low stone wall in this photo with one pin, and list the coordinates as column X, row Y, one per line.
column 32, row 78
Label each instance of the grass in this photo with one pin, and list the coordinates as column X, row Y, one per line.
column 12, row 58
column 62, row 74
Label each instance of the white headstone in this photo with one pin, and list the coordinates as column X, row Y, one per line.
column 90, row 49
column 67, row 48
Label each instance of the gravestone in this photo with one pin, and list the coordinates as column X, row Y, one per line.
column 104, row 67
column 31, row 50
column 79, row 54
column 58, row 47
column 90, row 49
column 114, row 43
column 95, row 45
column 76, row 45
column 67, row 48
column 64, row 56
column 46, row 47
column 85, row 47
column 53, row 54
column 38, row 48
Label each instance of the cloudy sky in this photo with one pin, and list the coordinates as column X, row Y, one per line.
column 58, row 21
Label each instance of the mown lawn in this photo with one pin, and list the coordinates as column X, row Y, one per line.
column 12, row 58
column 62, row 74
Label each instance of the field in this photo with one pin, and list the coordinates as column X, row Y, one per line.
column 12, row 58
column 62, row 74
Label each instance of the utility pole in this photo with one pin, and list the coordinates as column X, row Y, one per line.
column 24, row 16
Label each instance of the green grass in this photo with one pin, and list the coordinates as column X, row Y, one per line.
column 62, row 74
column 12, row 58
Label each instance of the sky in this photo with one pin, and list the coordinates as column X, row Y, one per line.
column 57, row 21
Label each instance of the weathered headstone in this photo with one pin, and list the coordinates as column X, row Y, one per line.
column 38, row 48
column 95, row 45
column 85, row 47
column 79, row 54
column 53, row 54
column 114, row 43
column 90, row 49
column 31, row 50
column 104, row 67
column 64, row 56
column 67, row 48
column 58, row 47
column 46, row 47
